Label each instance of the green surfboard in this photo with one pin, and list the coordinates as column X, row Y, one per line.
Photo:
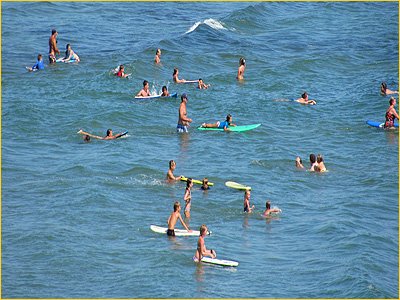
column 237, row 186
column 239, row 128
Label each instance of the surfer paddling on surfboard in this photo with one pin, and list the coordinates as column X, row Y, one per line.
column 109, row 135
column 175, row 215
column 201, row 250
column 145, row 91
column 222, row 125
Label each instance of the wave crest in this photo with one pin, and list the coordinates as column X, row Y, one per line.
column 209, row 22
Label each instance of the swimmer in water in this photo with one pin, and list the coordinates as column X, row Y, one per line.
column 313, row 163
column 320, row 164
column 165, row 92
column 109, row 135
column 241, row 69
column 157, row 58
column 201, row 250
column 299, row 163
column 170, row 174
column 201, row 85
column 304, row 99
column 391, row 114
column 385, row 91
column 145, row 91
column 121, row 72
column 222, row 125
column 246, row 203
column 204, row 185
column 268, row 210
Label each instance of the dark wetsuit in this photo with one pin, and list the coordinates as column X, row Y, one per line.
column 171, row 232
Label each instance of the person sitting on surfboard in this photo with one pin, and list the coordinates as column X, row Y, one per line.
column 201, row 250
column 175, row 215
column 188, row 197
column 70, row 54
column 269, row 210
column 165, row 92
column 170, row 174
column 385, row 91
column 299, row 163
column 145, row 91
column 183, row 120
column 204, row 185
column 246, row 204
column 121, row 72
column 38, row 65
column 242, row 67
column 304, row 99
column 223, row 125
column 157, row 58
column 202, row 85
column 391, row 114
column 320, row 164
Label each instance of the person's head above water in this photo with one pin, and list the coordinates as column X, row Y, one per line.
column 242, row 61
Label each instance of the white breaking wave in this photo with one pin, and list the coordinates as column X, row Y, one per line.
column 209, row 22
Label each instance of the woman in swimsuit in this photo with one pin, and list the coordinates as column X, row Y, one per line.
column 70, row 54
column 188, row 197
column 391, row 114
column 320, row 164
column 201, row 250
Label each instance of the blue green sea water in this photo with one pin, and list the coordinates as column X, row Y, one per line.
column 76, row 216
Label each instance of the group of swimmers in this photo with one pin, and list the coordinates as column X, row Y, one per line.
column 70, row 54
column 316, row 163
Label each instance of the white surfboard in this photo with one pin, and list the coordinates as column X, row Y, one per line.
column 237, row 186
column 220, row 262
column 178, row 232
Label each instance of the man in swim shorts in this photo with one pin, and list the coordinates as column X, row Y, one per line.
column 175, row 215
column 53, row 47
column 183, row 120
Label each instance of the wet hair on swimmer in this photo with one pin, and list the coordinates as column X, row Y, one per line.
column 203, row 228
column 171, row 162
column 175, row 71
column 176, row 205
column 268, row 204
column 304, row 95
column 53, row 31
column 242, row 61
column 228, row 117
column 188, row 182
column 109, row 131
column 391, row 100
column 145, row 82
column 319, row 158
column 312, row 158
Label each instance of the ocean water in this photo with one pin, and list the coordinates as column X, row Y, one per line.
column 76, row 216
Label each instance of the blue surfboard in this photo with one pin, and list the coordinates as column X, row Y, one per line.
column 379, row 124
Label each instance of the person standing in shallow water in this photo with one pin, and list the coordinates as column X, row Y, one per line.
column 242, row 67
column 183, row 120
column 53, row 47
column 157, row 58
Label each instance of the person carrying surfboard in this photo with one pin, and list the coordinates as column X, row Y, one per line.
column 222, row 125
column 183, row 120
column 304, row 99
column 121, row 72
column 170, row 173
column 246, row 203
column 145, row 91
column 175, row 215
column 201, row 250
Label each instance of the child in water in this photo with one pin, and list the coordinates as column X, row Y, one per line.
column 165, row 92
column 201, row 85
column 268, row 210
column 246, row 203
column 188, row 197
column 201, row 250
column 38, row 65
column 204, row 185
column 175, row 215
column 222, row 125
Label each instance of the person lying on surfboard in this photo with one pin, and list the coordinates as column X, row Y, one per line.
column 304, row 99
column 246, row 203
column 201, row 250
column 38, row 65
column 225, row 125
column 175, row 215
column 269, row 210
column 385, row 91
column 170, row 174
column 176, row 78
column 145, row 91
column 109, row 135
